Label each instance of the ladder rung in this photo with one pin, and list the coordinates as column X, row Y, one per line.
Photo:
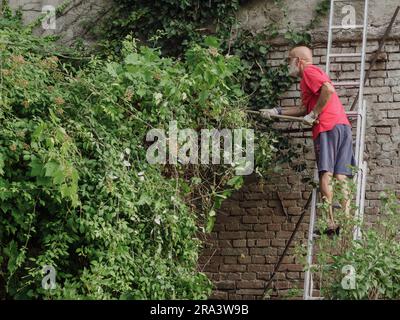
column 352, row 113
column 343, row 0
column 354, row 26
column 346, row 83
column 334, row 55
column 315, row 298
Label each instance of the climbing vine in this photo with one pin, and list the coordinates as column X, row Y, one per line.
column 75, row 188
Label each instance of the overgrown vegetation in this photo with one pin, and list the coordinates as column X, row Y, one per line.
column 359, row 269
column 76, row 191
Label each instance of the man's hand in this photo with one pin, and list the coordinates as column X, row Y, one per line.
column 266, row 113
column 310, row 119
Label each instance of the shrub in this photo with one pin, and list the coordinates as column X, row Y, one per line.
column 76, row 191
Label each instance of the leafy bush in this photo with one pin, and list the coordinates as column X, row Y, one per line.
column 375, row 259
column 76, row 191
column 75, row 188
column 366, row 268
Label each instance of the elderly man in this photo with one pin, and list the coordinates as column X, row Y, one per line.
column 331, row 129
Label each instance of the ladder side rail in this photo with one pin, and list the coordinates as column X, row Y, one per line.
column 329, row 48
column 307, row 277
column 362, row 201
column 361, row 179
column 363, row 130
column 363, row 56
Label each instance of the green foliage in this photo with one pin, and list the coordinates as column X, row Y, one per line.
column 75, row 188
column 374, row 258
column 172, row 25
column 169, row 24
column 76, row 191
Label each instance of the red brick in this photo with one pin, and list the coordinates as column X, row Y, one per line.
column 265, row 212
column 219, row 295
column 282, row 285
column 230, row 260
column 234, row 251
column 250, row 291
column 293, row 275
column 260, row 235
column 225, row 285
column 264, row 275
column 278, row 218
column 292, row 267
column 237, row 211
column 262, row 251
column 249, row 276
column 290, row 195
column 251, row 243
column 263, row 243
column 260, row 227
column 244, row 259
column 232, row 235
column 272, row 259
column 215, row 259
column 288, row 226
column 250, row 284
column 288, row 259
column 274, row 204
column 252, row 211
column 283, row 234
column 231, row 276
column 260, row 268
column 211, row 268
column 231, row 227
column 278, row 243
column 258, row 259
column 294, row 210
column 225, row 244
column 226, row 219
column 245, row 227
column 219, row 227
column 233, row 268
column 274, row 227
column 239, row 243
column 251, row 204
column 265, row 219
column 234, row 296
column 250, row 219
column 210, row 251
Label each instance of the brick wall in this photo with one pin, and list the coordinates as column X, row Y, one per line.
column 252, row 227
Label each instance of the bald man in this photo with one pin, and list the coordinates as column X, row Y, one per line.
column 331, row 129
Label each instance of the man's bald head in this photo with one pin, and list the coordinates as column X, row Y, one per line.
column 302, row 52
column 299, row 58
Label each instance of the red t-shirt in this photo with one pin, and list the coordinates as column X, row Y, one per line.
column 333, row 113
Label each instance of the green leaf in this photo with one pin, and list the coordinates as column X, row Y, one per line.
column 50, row 168
column 212, row 42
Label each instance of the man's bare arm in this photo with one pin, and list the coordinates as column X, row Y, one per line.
column 326, row 92
column 294, row 111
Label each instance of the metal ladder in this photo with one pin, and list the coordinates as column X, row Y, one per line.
column 360, row 114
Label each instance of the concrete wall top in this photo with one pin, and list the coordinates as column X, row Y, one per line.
column 257, row 14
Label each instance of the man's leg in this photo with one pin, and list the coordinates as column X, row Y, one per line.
column 343, row 180
column 327, row 194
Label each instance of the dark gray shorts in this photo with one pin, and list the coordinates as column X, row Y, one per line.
column 334, row 150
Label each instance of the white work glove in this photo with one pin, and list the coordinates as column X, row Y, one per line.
column 266, row 113
column 310, row 118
